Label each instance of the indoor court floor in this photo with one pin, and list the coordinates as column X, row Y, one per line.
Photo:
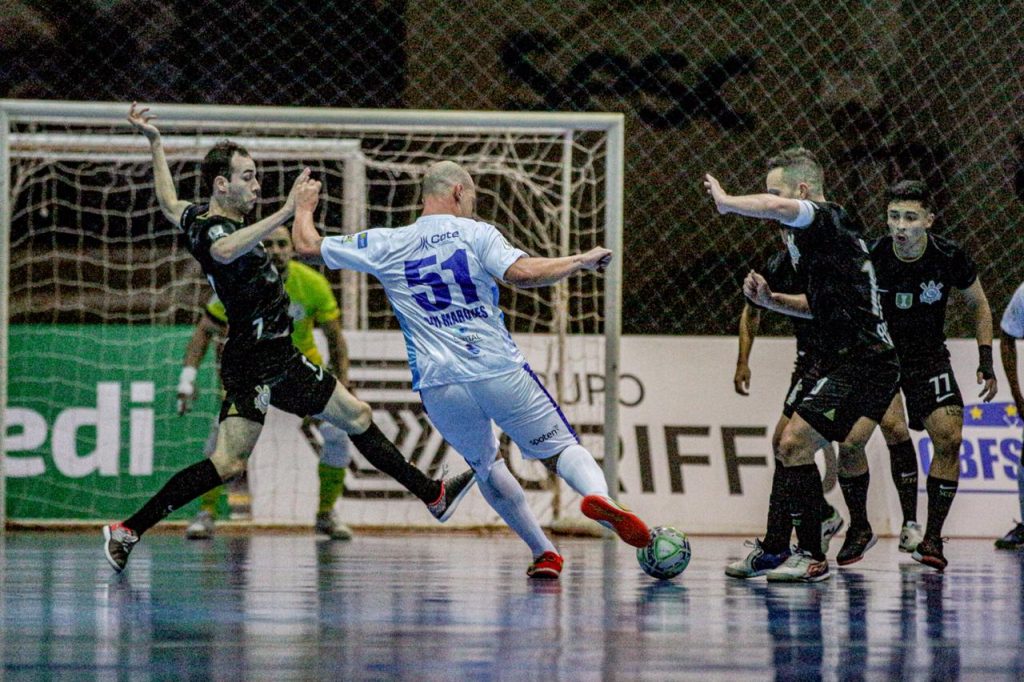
column 452, row 606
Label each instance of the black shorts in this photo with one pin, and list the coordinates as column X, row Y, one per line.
column 801, row 381
column 928, row 384
column 850, row 388
column 273, row 374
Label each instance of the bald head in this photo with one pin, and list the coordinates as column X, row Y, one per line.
column 448, row 188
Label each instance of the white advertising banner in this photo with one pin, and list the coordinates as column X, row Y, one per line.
column 694, row 453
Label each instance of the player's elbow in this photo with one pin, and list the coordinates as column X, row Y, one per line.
column 222, row 252
column 305, row 248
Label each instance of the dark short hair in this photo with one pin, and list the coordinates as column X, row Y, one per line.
column 799, row 164
column 218, row 162
column 911, row 190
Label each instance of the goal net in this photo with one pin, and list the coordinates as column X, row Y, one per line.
column 103, row 296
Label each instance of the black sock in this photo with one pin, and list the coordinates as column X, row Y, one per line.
column 384, row 456
column 182, row 488
column 780, row 525
column 940, row 495
column 904, row 475
column 805, row 508
column 855, row 493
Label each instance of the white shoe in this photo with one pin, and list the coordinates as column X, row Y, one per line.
column 911, row 536
column 829, row 528
column 201, row 527
column 800, row 568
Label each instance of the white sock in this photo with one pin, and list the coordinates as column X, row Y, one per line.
column 503, row 492
column 579, row 469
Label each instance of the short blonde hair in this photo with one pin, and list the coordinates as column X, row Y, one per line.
column 442, row 176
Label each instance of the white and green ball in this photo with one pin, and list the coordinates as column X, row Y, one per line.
column 666, row 555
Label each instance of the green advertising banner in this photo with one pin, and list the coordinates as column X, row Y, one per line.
column 92, row 429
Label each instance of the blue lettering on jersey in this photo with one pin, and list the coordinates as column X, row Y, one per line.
column 455, row 317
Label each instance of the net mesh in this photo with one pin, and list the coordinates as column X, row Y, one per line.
column 104, row 291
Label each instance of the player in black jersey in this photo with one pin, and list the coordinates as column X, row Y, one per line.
column 260, row 366
column 916, row 272
column 859, row 370
column 773, row 550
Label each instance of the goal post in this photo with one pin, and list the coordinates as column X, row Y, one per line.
column 89, row 252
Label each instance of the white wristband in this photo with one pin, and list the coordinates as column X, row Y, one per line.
column 187, row 380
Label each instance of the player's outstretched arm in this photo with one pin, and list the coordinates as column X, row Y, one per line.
column 750, row 322
column 978, row 302
column 755, row 287
column 764, row 206
column 241, row 242
column 538, row 271
column 305, row 238
column 166, row 194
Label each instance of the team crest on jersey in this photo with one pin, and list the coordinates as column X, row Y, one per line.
column 904, row 301
column 262, row 400
column 794, row 250
column 931, row 292
column 361, row 240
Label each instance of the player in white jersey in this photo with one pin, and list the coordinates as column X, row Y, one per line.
column 439, row 274
column 1012, row 327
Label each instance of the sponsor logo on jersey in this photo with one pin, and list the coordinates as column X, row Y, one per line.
column 424, row 244
column 216, row 232
column 262, row 399
column 931, row 292
column 361, row 240
column 296, row 311
column 904, row 301
column 435, row 239
column 545, row 437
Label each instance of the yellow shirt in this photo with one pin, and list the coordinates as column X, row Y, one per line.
column 312, row 302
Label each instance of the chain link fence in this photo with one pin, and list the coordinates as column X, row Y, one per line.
column 881, row 90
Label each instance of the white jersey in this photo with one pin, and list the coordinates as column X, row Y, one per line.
column 1013, row 316
column 439, row 274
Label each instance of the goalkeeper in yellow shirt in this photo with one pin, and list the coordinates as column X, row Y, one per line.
column 312, row 303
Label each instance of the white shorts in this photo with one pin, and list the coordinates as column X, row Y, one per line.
column 517, row 402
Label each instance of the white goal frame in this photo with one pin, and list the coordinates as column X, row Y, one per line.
column 22, row 112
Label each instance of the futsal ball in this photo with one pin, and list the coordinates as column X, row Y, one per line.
column 666, row 555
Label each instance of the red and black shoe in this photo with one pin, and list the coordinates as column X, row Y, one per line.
column 614, row 516
column 548, row 566
column 929, row 553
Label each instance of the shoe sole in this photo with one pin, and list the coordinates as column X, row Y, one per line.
column 106, row 550
column 450, row 509
column 744, row 576
column 929, row 561
column 626, row 524
column 800, row 579
column 908, row 549
column 847, row 562
column 544, row 574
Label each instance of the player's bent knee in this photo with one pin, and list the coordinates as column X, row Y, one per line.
column 228, row 466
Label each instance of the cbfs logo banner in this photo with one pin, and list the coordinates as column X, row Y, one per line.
column 91, row 429
column 989, row 460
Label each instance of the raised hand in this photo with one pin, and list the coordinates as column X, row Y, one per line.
column 712, row 187
column 307, row 196
column 140, row 119
column 289, row 203
column 597, row 258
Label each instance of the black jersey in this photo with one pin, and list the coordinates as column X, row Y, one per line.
column 915, row 293
column 784, row 278
column 250, row 286
column 841, row 289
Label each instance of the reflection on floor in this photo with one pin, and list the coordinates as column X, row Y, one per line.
column 460, row 607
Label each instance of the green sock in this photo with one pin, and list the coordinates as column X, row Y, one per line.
column 210, row 499
column 332, row 484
